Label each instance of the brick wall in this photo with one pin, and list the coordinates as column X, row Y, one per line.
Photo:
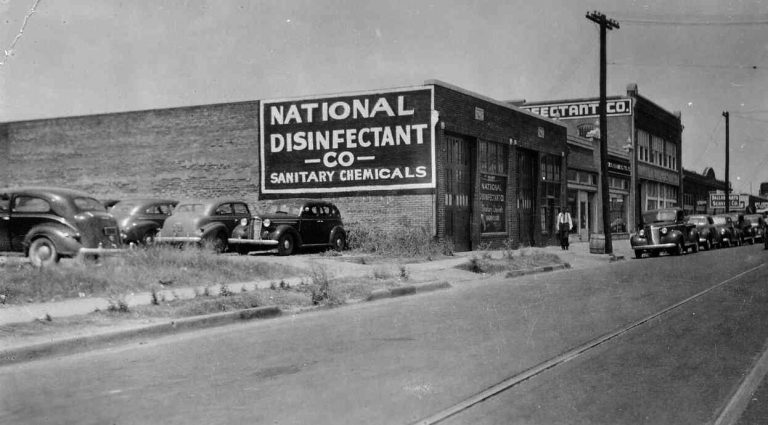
column 200, row 151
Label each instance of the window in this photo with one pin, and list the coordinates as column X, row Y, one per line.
column 656, row 150
column 240, row 208
column 671, row 153
column 31, row 205
column 493, row 157
column 493, row 187
column 618, row 211
column 643, row 146
column 5, row 202
column 660, row 195
column 224, row 209
column 550, row 168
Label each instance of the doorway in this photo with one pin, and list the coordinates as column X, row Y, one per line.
column 458, row 193
column 526, row 193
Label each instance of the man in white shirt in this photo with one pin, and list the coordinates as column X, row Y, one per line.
column 564, row 226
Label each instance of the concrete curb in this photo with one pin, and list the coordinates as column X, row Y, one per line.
column 77, row 344
column 517, row 273
column 406, row 290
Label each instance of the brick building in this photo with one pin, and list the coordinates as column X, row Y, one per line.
column 697, row 188
column 644, row 158
column 460, row 165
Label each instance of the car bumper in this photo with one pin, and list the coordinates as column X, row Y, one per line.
column 178, row 239
column 252, row 242
column 657, row 246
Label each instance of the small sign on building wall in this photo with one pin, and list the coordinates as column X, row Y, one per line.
column 479, row 114
column 541, row 132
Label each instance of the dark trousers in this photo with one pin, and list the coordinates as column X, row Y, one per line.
column 563, row 231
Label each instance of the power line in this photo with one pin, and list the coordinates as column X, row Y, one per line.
column 749, row 118
column 684, row 65
column 691, row 23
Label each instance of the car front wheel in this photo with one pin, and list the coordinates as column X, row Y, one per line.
column 285, row 244
column 339, row 241
column 42, row 253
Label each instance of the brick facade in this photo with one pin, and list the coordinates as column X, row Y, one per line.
column 213, row 150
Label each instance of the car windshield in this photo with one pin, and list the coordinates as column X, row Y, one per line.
column 289, row 209
column 88, row 204
column 189, row 208
column 123, row 207
column 659, row 216
column 697, row 220
column 754, row 220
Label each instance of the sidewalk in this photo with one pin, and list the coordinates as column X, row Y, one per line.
column 578, row 256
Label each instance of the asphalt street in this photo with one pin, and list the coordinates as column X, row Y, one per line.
column 392, row 361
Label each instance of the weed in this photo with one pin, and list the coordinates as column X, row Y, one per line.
column 474, row 265
column 284, row 285
column 118, row 305
column 320, row 288
column 243, row 289
column 273, row 286
column 224, row 290
column 206, row 292
column 403, row 273
column 406, row 240
column 155, row 300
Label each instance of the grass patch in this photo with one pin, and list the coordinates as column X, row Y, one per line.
column 403, row 242
column 521, row 259
column 135, row 271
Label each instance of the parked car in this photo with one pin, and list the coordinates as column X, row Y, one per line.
column 743, row 227
column 47, row 224
column 757, row 223
column 665, row 230
column 709, row 237
column 140, row 219
column 290, row 226
column 205, row 222
column 730, row 234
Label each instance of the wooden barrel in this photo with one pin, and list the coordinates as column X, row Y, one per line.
column 597, row 243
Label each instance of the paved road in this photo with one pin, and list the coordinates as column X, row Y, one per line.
column 394, row 361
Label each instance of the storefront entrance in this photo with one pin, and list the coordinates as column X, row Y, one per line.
column 458, row 193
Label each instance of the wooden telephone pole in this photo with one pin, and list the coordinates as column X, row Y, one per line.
column 605, row 25
column 727, row 163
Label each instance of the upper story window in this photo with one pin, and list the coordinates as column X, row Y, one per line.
column 655, row 150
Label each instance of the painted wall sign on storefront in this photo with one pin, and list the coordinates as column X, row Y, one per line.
column 738, row 202
column 586, row 109
column 493, row 203
column 348, row 143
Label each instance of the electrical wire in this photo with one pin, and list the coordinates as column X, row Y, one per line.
column 690, row 23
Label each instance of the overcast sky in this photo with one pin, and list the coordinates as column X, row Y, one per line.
column 700, row 57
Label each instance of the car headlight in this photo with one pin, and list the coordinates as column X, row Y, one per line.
column 243, row 221
column 722, row 231
column 266, row 222
column 641, row 233
column 663, row 231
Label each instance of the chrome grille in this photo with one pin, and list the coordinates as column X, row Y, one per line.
column 256, row 228
column 110, row 231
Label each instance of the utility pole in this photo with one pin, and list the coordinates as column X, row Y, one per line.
column 605, row 25
column 727, row 164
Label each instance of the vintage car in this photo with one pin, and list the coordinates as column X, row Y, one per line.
column 665, row 230
column 757, row 223
column 743, row 227
column 709, row 237
column 205, row 223
column 730, row 235
column 140, row 219
column 47, row 224
column 290, row 225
